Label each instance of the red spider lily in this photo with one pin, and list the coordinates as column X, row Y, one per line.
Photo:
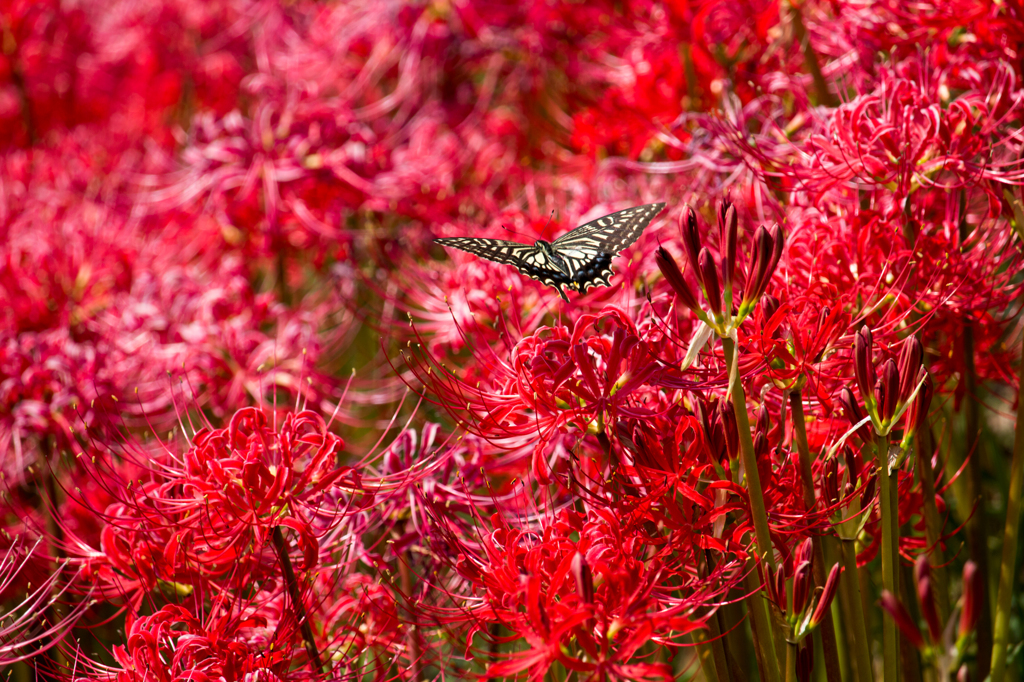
column 527, row 575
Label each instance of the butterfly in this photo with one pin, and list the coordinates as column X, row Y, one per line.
column 578, row 259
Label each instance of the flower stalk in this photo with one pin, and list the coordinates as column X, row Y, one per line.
column 1001, row 630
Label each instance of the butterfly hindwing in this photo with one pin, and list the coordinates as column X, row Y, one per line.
column 578, row 259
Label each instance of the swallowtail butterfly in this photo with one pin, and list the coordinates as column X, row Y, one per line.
column 578, row 259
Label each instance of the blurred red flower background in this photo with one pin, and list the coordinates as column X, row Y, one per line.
column 255, row 425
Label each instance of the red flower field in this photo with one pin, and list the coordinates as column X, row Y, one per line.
column 256, row 424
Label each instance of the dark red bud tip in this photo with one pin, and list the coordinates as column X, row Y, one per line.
column 890, row 378
column 804, row 552
column 761, row 421
column 769, row 306
column 974, row 592
column 584, row 578
column 863, row 369
column 760, row 446
column 805, row 663
column 674, row 276
column 827, row 594
column 904, row 622
column 918, row 412
column 910, row 363
column 868, row 496
column 690, row 234
column 801, row 586
column 830, row 481
column 853, row 412
column 926, row 598
column 727, row 416
column 708, row 271
column 760, row 259
column 727, row 230
column 776, row 241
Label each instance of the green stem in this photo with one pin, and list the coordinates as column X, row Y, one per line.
column 760, row 619
column 828, row 631
column 791, row 650
column 1001, row 637
column 890, row 539
column 298, row 605
column 850, row 585
column 762, row 534
column 763, row 632
column 932, row 521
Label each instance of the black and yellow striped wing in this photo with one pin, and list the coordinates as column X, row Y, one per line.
column 578, row 259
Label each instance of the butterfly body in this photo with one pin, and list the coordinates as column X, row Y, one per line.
column 578, row 259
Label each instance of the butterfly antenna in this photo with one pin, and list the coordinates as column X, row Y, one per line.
column 511, row 231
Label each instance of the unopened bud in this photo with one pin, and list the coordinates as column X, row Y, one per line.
column 853, row 412
column 890, row 377
column 868, row 496
column 708, row 271
column 863, row 369
column 674, row 276
column 974, row 592
column 758, row 266
column 917, row 413
column 910, row 362
column 761, row 421
column 827, row 594
column 904, row 622
column 830, row 481
column 690, row 234
column 805, row 663
column 769, row 306
column 801, row 586
column 727, row 416
column 727, row 231
column 584, row 578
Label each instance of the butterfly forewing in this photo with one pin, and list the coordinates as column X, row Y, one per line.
column 527, row 258
column 579, row 259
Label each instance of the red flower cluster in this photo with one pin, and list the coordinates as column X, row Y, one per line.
column 254, row 426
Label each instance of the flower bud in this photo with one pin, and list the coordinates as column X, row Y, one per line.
column 868, row 496
column 584, row 578
column 910, row 363
column 964, row 674
column 863, row 369
column 926, row 598
column 775, row 584
column 691, row 235
column 708, row 271
column 758, row 266
column 727, row 416
column 827, row 594
column 917, row 413
column 830, row 481
column 890, row 378
column 801, row 586
column 853, row 464
column 805, row 663
column 903, row 620
column 674, row 276
column 760, row 446
column 727, row 233
column 804, row 552
column 853, row 412
column 974, row 592
column 761, row 421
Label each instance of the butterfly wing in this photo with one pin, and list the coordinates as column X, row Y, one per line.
column 528, row 259
column 588, row 250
